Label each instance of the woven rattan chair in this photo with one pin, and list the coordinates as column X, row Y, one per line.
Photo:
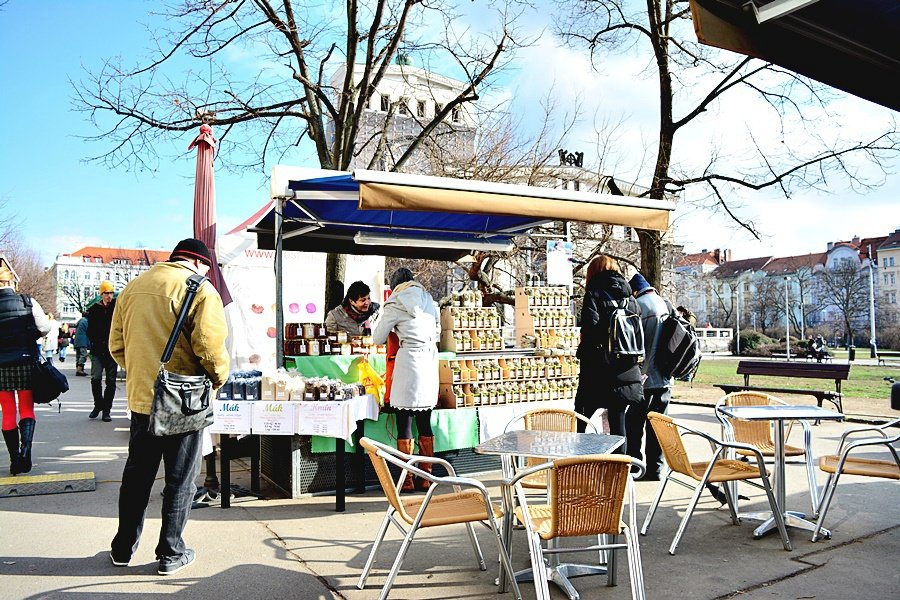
column 759, row 435
column 547, row 419
column 717, row 470
column 587, row 497
column 842, row 463
column 459, row 506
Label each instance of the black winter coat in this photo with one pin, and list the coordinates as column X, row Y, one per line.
column 605, row 382
column 99, row 318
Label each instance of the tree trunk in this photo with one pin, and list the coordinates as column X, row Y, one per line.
column 651, row 261
column 335, row 270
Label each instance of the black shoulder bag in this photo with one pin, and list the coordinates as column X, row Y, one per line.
column 181, row 403
column 47, row 383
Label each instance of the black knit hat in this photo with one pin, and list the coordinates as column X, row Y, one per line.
column 191, row 249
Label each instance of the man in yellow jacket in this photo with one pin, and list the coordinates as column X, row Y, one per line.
column 143, row 320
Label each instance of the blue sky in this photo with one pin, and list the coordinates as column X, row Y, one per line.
column 65, row 203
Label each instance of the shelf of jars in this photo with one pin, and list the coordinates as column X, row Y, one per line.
column 544, row 318
column 505, row 380
column 314, row 339
column 470, row 329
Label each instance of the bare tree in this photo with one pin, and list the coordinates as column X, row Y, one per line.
column 663, row 30
column 765, row 304
column 310, row 85
column 845, row 288
column 34, row 279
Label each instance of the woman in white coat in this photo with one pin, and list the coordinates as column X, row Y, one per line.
column 411, row 313
column 51, row 340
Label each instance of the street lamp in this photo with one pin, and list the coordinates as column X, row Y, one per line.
column 787, row 317
column 873, row 347
column 737, row 340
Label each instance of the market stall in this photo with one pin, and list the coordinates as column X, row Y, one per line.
column 409, row 216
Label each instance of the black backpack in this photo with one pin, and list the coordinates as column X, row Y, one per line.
column 678, row 349
column 626, row 333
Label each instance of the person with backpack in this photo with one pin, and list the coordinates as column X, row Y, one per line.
column 610, row 351
column 657, row 385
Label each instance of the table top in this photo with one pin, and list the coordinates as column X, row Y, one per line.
column 550, row 444
column 780, row 411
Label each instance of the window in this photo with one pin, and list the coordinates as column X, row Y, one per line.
column 420, row 108
column 576, row 185
column 455, row 115
column 891, row 261
column 628, row 233
column 87, row 276
column 404, row 106
column 385, row 102
column 438, row 107
column 893, row 279
column 885, row 279
column 884, row 262
column 96, row 275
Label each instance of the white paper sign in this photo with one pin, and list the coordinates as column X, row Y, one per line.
column 231, row 417
column 273, row 418
column 322, row 418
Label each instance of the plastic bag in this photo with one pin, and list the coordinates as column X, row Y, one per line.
column 372, row 381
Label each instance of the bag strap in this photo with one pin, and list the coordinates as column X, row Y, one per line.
column 193, row 284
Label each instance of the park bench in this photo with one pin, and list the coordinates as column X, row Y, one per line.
column 837, row 373
column 885, row 355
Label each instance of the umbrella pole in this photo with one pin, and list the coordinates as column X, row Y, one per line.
column 279, row 309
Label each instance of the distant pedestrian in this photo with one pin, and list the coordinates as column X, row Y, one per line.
column 51, row 340
column 142, row 322
column 64, row 339
column 686, row 314
column 21, row 320
column 82, row 345
column 100, row 317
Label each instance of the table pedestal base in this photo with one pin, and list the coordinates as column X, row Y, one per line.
column 791, row 519
column 560, row 575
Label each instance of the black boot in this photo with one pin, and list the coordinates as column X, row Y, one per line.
column 97, row 390
column 11, row 436
column 26, row 428
column 108, row 400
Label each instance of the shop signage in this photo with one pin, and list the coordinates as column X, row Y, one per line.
column 272, row 418
column 322, row 418
column 231, row 417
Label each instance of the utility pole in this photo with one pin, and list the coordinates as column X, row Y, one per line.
column 873, row 348
column 787, row 317
column 737, row 340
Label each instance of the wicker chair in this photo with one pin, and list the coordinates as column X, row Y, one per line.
column 717, row 470
column 838, row 464
column 546, row 419
column 433, row 510
column 587, row 497
column 759, row 435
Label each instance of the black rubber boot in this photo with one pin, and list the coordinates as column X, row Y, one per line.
column 108, row 398
column 11, row 436
column 26, row 428
column 97, row 391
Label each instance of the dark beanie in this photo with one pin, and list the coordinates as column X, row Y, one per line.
column 401, row 275
column 639, row 284
column 191, row 249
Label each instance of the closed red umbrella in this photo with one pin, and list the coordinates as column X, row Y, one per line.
column 205, row 204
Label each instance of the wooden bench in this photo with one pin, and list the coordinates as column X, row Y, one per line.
column 837, row 373
column 884, row 355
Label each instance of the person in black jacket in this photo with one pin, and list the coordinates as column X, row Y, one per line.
column 605, row 381
column 22, row 321
column 99, row 317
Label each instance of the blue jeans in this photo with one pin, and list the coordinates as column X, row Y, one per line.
column 180, row 455
column 655, row 400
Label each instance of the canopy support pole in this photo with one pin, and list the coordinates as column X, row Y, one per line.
column 279, row 308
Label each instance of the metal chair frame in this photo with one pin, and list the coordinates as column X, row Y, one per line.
column 745, row 431
column 719, row 449
column 843, row 458
column 397, row 507
column 607, row 540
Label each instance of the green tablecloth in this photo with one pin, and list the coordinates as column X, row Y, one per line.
column 453, row 429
